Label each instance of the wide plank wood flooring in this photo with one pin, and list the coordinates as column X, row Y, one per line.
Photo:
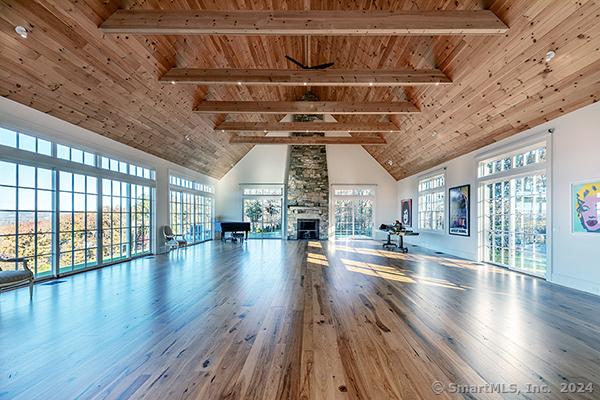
column 297, row 320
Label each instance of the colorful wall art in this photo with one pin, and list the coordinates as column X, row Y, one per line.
column 585, row 205
column 459, row 202
column 406, row 212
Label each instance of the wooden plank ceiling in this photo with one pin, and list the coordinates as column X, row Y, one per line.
column 109, row 83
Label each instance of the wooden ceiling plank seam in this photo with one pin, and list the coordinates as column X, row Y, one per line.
column 485, row 90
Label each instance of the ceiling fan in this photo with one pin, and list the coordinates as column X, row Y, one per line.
column 320, row 66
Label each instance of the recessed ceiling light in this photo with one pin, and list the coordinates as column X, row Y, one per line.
column 239, row 83
column 188, row 138
column 305, row 83
column 172, row 82
column 370, row 83
column 266, row 131
column 390, row 162
column 22, row 31
column 550, row 55
column 222, row 130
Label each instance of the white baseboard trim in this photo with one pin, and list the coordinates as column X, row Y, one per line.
column 450, row 252
column 576, row 283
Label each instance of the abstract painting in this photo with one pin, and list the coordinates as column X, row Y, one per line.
column 406, row 212
column 585, row 200
column 459, row 203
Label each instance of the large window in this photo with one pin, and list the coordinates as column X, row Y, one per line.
column 26, row 215
column 141, row 213
column 64, row 209
column 191, row 209
column 513, row 210
column 353, row 211
column 431, row 207
column 115, row 220
column 78, row 223
column 263, row 207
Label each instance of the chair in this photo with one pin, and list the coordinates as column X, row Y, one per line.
column 172, row 240
column 11, row 278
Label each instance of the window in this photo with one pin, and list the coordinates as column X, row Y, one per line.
column 25, row 142
column 115, row 220
column 26, row 215
column 65, row 219
column 431, row 207
column 354, row 192
column 34, row 144
column 353, row 211
column 78, row 239
column 513, row 215
column 191, row 209
column 262, row 206
column 263, row 191
column 514, row 161
column 141, row 210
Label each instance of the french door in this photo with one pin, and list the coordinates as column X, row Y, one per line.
column 514, row 222
column 264, row 215
column 353, row 218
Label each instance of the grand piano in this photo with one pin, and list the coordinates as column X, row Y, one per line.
column 233, row 227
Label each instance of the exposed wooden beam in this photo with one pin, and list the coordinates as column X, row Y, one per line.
column 307, row 127
column 307, row 140
column 306, row 77
column 304, row 107
column 328, row 23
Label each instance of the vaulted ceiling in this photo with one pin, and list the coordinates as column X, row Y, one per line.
column 109, row 83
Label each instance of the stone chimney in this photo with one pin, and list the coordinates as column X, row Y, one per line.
column 307, row 184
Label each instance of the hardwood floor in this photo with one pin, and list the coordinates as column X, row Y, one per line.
column 297, row 320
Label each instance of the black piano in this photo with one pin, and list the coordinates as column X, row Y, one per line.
column 234, row 227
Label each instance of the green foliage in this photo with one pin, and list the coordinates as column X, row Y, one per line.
column 253, row 210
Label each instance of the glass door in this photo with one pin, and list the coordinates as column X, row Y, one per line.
column 264, row 215
column 353, row 218
column 27, row 214
column 514, row 223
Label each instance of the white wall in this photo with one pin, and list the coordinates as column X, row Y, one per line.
column 19, row 117
column 262, row 164
column 573, row 158
column 347, row 164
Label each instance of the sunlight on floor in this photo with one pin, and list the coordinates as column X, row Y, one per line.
column 379, row 271
column 396, row 274
column 318, row 259
column 372, row 252
column 315, row 244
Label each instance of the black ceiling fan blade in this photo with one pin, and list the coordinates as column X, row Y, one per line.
column 322, row 66
column 298, row 63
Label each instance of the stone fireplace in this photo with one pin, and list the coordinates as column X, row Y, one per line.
column 307, row 184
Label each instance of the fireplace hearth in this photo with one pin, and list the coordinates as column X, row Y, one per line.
column 307, row 229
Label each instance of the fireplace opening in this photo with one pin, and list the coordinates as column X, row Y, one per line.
column 308, row 229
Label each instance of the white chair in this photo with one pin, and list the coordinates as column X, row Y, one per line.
column 14, row 277
column 171, row 240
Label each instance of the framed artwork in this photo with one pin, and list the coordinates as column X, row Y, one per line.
column 406, row 212
column 585, row 207
column 459, row 210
